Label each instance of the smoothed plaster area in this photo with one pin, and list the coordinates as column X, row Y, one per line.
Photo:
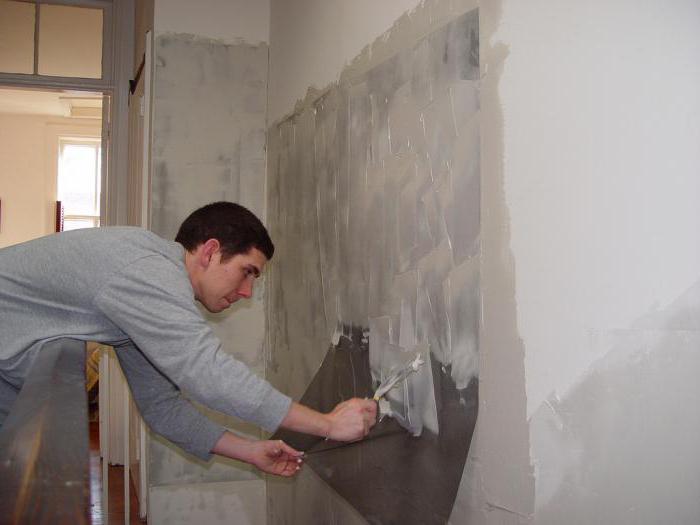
column 374, row 203
column 391, row 476
column 208, row 145
column 208, row 127
column 242, row 503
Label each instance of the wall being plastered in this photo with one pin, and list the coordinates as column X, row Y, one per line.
column 589, row 130
column 374, row 203
column 588, row 340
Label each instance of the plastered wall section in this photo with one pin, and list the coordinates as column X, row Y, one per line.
column 590, row 263
column 209, row 145
column 361, row 240
column 204, row 503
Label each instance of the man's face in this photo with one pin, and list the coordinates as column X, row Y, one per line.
column 223, row 283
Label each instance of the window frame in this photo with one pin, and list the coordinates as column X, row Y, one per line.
column 82, row 83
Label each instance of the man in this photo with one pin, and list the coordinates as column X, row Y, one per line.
column 131, row 289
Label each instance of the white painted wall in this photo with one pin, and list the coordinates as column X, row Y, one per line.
column 601, row 105
column 602, row 163
column 226, row 20
column 312, row 40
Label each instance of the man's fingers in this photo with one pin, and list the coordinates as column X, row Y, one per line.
column 289, row 450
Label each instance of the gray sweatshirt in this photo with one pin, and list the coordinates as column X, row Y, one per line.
column 129, row 288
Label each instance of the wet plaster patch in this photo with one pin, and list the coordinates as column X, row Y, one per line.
column 621, row 446
column 497, row 485
column 391, row 476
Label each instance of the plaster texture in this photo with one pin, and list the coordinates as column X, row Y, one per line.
column 391, row 476
column 588, row 131
column 221, row 503
column 208, row 126
column 374, row 199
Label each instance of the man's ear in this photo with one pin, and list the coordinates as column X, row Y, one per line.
column 207, row 251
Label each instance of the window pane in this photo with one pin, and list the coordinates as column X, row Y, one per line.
column 76, row 224
column 16, row 37
column 78, row 178
column 70, row 41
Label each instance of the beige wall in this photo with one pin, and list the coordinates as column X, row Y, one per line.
column 27, row 201
column 29, row 159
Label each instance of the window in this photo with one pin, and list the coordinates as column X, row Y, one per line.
column 70, row 41
column 55, row 38
column 79, row 169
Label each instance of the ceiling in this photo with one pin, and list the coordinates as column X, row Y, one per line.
column 77, row 104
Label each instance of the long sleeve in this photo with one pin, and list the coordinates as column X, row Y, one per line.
column 166, row 411
column 152, row 302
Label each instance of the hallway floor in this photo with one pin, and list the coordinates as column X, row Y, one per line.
column 116, row 487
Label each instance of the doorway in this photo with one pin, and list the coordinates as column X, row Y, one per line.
column 51, row 149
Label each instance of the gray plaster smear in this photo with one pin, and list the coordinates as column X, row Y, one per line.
column 391, row 476
column 209, row 110
column 208, row 126
column 374, row 193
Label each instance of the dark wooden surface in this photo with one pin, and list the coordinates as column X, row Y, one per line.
column 44, row 454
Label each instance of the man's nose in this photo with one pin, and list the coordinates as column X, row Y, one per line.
column 245, row 290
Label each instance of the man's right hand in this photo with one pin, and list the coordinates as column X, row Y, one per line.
column 348, row 421
column 351, row 420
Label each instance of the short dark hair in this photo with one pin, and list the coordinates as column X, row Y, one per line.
column 236, row 228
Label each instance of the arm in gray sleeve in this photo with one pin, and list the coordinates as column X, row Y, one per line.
column 164, row 408
column 151, row 300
